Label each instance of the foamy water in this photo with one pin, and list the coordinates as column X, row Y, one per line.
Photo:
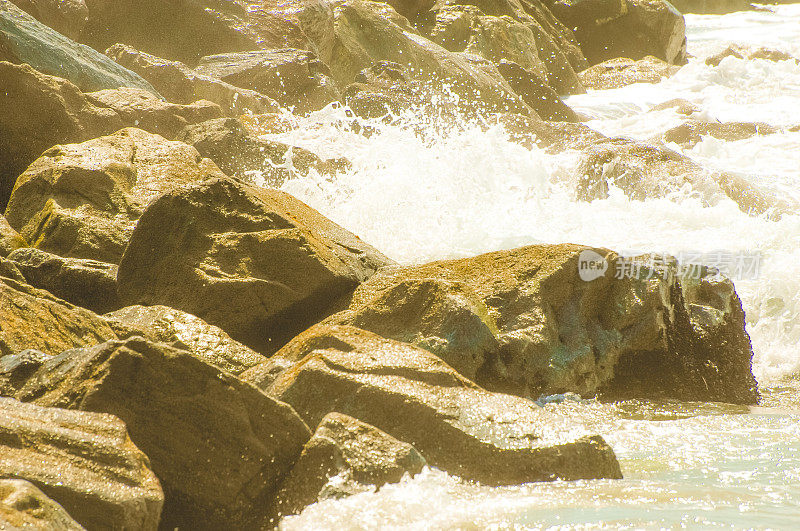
column 420, row 193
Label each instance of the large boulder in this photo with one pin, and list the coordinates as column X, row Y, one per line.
column 297, row 79
column 84, row 461
column 9, row 238
column 607, row 29
column 180, row 84
column 87, row 283
column 23, row 39
column 83, row 200
column 536, row 93
column 34, row 318
column 168, row 325
column 68, row 17
column 553, row 137
column 528, row 322
column 256, row 262
column 353, row 454
column 219, row 446
column 619, row 72
column 412, row 395
column 22, row 506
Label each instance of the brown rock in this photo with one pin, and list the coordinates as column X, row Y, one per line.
column 554, row 137
column 688, row 134
column 68, row 17
column 746, row 52
column 619, row 72
column 22, row 505
column 9, row 238
column 541, row 98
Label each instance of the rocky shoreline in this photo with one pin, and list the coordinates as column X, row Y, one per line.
column 181, row 348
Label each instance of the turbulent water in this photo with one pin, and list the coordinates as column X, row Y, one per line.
column 421, row 192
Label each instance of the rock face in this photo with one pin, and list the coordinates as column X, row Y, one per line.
column 616, row 73
column 541, row 98
column 180, row 84
column 9, row 238
column 413, row 396
column 83, row 200
column 358, row 454
column 554, row 137
column 87, row 283
column 256, row 262
column 297, row 79
column 240, row 153
column 68, row 17
column 523, row 321
column 33, row 318
column 607, row 29
column 167, row 325
column 23, row 39
column 218, row 446
column 109, row 487
column 688, row 134
column 22, row 505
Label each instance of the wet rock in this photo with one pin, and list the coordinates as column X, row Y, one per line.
column 688, row 134
column 240, row 153
column 218, row 445
column 619, row 72
column 296, row 79
column 23, row 39
column 541, row 98
column 168, row 325
column 256, row 262
column 180, row 84
column 34, row 318
column 22, row 505
column 87, row 283
column 83, row 200
column 9, row 238
column 356, row 454
column 384, row 88
column 68, row 17
column 746, row 52
column 681, row 106
column 607, row 29
column 111, row 486
column 554, row 137
column 413, row 396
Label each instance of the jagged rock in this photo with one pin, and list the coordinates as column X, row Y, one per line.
column 84, row 461
column 15, row 369
column 256, row 262
column 34, row 318
column 712, row 7
column 746, row 52
column 152, row 114
column 10, row 270
column 219, row 446
column 619, row 72
column 554, row 137
column 9, row 238
column 23, row 39
column 83, row 200
column 383, row 88
column 87, row 283
column 688, row 134
column 607, row 29
column 22, row 505
column 240, row 153
column 186, row 31
column 168, row 325
column 525, row 322
column 413, row 396
column 357, row 454
column 180, row 84
column 541, row 98
column 297, row 79
column 68, row 17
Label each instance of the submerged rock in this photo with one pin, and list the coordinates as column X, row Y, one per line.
column 22, row 505
column 619, row 72
column 413, row 396
column 84, row 461
column 688, row 134
column 746, row 52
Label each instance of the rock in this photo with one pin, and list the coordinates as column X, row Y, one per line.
column 619, row 72
column 218, row 445
column 297, row 79
column 23, row 39
column 525, row 322
column 413, row 396
column 145, row 111
column 746, row 52
column 10, row 270
column 240, row 153
column 681, row 106
column 256, row 262
column 33, row 318
column 688, row 134
column 66, row 17
column 83, row 200
column 411, row 9
column 607, row 29
column 541, row 98
column 554, row 137
column 180, row 84
column 22, row 505
column 15, row 369
column 87, row 283
column 84, row 461
column 167, row 325
column 358, row 454
column 9, row 238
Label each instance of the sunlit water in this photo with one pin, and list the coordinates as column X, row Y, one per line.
column 421, row 193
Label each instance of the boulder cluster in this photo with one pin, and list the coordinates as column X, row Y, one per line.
column 181, row 348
